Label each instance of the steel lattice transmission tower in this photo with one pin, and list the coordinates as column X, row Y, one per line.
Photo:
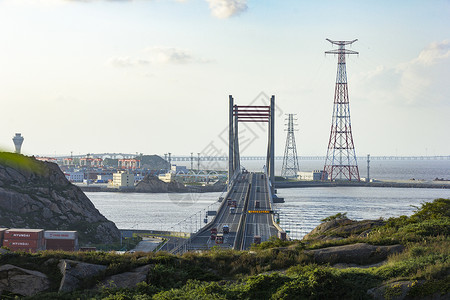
column 290, row 159
column 341, row 161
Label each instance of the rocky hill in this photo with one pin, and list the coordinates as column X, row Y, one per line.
column 151, row 184
column 35, row 194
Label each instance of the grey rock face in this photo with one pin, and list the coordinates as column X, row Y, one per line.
column 359, row 253
column 151, row 184
column 42, row 197
column 74, row 272
column 127, row 279
column 22, row 281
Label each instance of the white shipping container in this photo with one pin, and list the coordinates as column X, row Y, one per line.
column 60, row 235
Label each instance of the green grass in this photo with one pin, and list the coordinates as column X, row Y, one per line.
column 274, row 269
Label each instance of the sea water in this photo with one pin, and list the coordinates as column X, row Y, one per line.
column 304, row 208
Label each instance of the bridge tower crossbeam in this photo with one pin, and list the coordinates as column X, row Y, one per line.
column 250, row 114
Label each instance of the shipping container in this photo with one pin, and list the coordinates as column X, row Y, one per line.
column 21, row 243
column 2, row 231
column 64, row 244
column 24, row 234
column 60, row 235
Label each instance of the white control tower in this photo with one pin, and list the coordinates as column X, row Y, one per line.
column 18, row 140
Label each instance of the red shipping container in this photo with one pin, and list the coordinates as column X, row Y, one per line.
column 2, row 231
column 24, row 234
column 21, row 243
column 65, row 245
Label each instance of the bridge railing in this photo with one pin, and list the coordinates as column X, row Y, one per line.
column 269, row 189
column 240, row 234
column 186, row 246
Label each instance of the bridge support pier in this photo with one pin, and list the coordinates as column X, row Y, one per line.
column 230, row 141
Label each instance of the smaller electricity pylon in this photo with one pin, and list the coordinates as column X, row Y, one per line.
column 290, row 159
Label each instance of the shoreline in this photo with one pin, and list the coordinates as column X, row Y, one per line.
column 296, row 184
column 387, row 184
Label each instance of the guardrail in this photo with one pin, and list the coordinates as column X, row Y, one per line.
column 274, row 222
column 240, row 234
column 184, row 246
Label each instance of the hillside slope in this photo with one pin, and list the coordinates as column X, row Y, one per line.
column 35, row 194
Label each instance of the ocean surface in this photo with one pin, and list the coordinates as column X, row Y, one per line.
column 379, row 169
column 303, row 210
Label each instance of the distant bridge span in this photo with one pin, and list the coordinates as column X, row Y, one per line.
column 259, row 158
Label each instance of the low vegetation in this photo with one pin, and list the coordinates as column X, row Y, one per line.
column 277, row 269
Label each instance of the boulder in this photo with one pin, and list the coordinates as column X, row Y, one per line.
column 393, row 291
column 360, row 253
column 75, row 272
column 340, row 228
column 399, row 290
column 21, row 281
column 127, row 279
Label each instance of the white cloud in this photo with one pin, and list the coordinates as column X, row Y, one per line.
column 166, row 55
column 158, row 55
column 434, row 53
column 421, row 81
column 126, row 61
column 224, row 9
column 170, row 55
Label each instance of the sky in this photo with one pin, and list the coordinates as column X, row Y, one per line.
column 153, row 76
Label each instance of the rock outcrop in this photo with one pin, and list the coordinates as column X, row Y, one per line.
column 340, row 228
column 360, row 254
column 127, row 279
column 36, row 194
column 22, row 281
column 152, row 184
column 75, row 273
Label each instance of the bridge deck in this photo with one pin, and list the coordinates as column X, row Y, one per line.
column 247, row 190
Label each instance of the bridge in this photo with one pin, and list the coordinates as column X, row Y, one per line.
column 245, row 215
column 207, row 158
column 247, row 212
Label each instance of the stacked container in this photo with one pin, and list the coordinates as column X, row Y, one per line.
column 61, row 240
column 2, row 231
column 30, row 240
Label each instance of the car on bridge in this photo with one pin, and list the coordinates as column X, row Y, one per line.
column 213, row 233
column 226, row 229
column 219, row 238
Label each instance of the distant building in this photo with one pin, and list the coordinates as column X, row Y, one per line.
column 168, row 177
column 129, row 164
column 47, row 159
column 104, row 178
column 18, row 140
column 176, row 169
column 138, row 177
column 75, row 176
column 315, row 175
column 122, row 179
column 68, row 161
column 91, row 162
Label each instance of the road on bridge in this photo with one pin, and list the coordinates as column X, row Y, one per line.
column 250, row 218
